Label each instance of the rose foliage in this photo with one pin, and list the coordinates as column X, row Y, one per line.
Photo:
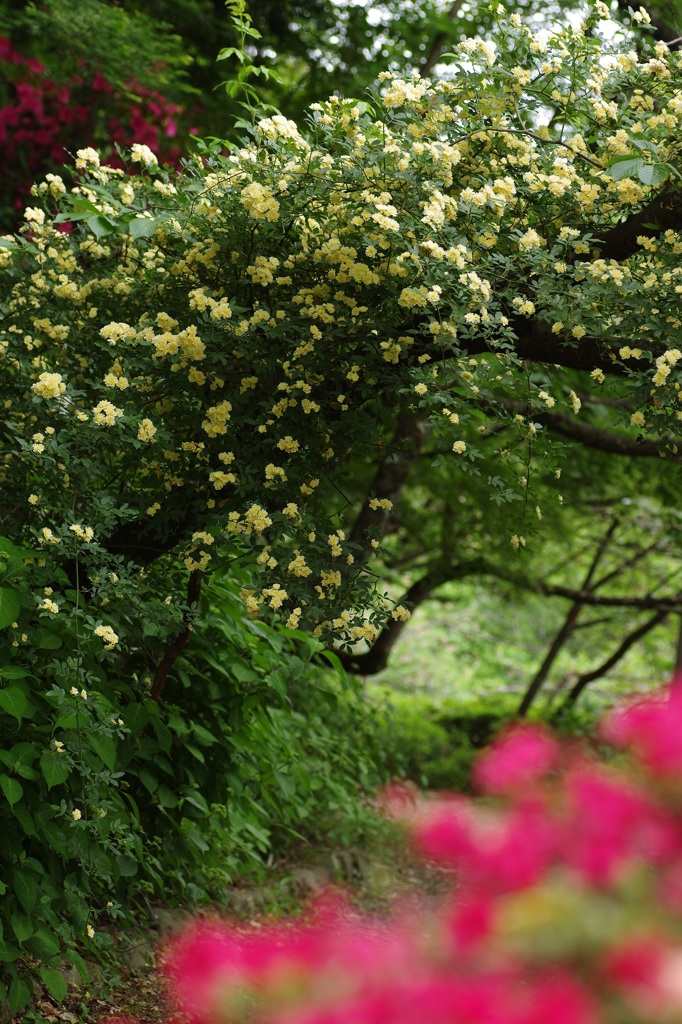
column 566, row 905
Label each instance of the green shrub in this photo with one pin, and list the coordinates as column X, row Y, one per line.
column 111, row 797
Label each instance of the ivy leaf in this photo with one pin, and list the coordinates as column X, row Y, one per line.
column 9, row 606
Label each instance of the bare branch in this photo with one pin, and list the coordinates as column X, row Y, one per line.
column 568, row 626
column 648, row 601
column 606, row 666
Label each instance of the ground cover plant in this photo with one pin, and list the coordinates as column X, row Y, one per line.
column 565, row 904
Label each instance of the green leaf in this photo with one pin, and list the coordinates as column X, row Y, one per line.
column 25, row 819
column 625, row 167
column 14, row 702
column 54, row 767
column 54, row 982
column 47, row 641
column 105, row 747
column 13, row 672
column 44, row 944
column 196, row 800
column 22, row 927
column 79, row 963
column 9, row 953
column 12, row 789
column 644, row 144
column 231, row 51
column 9, row 606
column 136, row 718
column 653, row 174
column 100, row 226
column 127, row 866
column 19, row 994
column 163, row 736
column 243, row 672
column 149, row 781
column 25, row 889
column 195, row 752
column 166, row 797
column 286, row 783
column 142, row 227
column 203, row 734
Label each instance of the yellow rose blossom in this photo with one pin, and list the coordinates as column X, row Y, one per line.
column 49, row 385
column 146, row 431
column 107, row 635
column 105, row 414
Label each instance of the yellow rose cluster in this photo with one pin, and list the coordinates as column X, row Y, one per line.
column 433, row 247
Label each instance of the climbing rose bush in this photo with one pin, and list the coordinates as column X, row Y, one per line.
column 566, row 904
column 191, row 361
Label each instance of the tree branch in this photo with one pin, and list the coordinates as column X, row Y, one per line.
column 620, row 242
column 376, row 659
column 630, row 639
column 568, row 626
column 438, row 44
column 595, row 437
column 649, row 601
